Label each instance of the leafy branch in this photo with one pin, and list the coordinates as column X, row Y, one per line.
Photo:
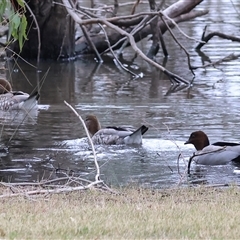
column 15, row 16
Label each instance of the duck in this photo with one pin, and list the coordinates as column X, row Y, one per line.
column 219, row 153
column 16, row 100
column 113, row 135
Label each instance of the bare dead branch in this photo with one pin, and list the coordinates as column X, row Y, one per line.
column 173, row 77
column 98, row 56
column 116, row 6
column 155, row 33
column 140, row 26
column 181, row 46
column 134, row 6
column 196, row 154
column 117, row 61
column 50, row 191
column 228, row 58
column 179, row 29
column 205, row 39
column 140, row 35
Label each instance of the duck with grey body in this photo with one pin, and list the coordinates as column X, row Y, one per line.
column 15, row 100
column 113, row 135
column 219, row 153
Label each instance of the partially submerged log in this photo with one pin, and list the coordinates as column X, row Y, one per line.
column 52, row 31
column 179, row 12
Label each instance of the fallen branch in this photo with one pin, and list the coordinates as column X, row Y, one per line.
column 50, row 191
column 205, row 39
column 175, row 79
column 228, row 58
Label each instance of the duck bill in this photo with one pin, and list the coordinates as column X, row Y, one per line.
column 187, row 142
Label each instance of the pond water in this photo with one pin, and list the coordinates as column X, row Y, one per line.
column 52, row 138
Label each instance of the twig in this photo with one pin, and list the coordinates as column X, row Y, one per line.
column 182, row 176
column 177, row 79
column 24, row 60
column 97, row 177
column 205, row 39
column 38, row 31
column 146, row 20
column 56, row 191
column 116, row 6
column 166, row 162
column 117, row 61
column 200, row 154
column 179, row 29
column 91, row 43
column 134, row 6
column 230, row 57
column 181, row 46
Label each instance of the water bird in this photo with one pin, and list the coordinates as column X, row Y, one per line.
column 219, row 153
column 15, row 100
column 113, row 135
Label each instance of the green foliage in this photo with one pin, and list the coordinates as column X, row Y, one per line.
column 17, row 20
column 3, row 6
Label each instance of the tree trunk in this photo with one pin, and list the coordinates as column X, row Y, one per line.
column 56, row 31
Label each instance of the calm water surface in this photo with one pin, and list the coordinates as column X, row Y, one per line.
column 53, row 136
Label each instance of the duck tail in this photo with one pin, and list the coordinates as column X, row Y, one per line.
column 136, row 137
column 143, row 129
column 31, row 102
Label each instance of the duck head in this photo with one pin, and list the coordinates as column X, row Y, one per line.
column 92, row 124
column 5, row 86
column 199, row 139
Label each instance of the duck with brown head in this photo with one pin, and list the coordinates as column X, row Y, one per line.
column 15, row 100
column 113, row 135
column 219, row 153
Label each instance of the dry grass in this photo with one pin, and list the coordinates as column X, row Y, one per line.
column 184, row 213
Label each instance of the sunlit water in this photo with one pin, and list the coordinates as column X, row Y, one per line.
column 53, row 137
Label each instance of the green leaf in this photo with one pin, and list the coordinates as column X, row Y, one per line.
column 17, row 20
column 21, row 3
column 2, row 9
column 22, row 32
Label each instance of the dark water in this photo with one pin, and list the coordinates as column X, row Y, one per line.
column 53, row 137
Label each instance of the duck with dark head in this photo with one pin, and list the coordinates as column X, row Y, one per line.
column 218, row 153
column 113, row 135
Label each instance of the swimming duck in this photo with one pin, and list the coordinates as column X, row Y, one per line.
column 113, row 135
column 218, row 153
column 14, row 100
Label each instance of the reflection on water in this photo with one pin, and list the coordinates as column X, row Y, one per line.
column 53, row 137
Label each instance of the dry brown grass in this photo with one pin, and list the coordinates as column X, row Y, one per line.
column 136, row 213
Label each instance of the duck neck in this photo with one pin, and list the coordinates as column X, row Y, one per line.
column 5, row 86
column 202, row 144
column 93, row 125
